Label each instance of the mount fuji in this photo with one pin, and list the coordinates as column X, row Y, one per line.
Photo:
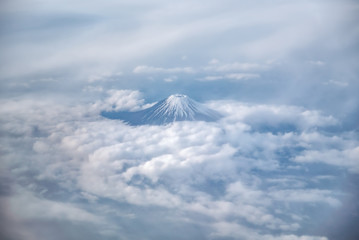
column 177, row 107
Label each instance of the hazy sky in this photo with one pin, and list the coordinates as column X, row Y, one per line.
column 282, row 163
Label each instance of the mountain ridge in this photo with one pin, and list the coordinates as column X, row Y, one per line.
column 176, row 107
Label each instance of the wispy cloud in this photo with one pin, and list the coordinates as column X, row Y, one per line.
column 236, row 66
column 149, row 69
column 233, row 76
column 337, row 83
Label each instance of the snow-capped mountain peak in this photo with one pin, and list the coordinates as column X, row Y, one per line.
column 177, row 101
column 177, row 107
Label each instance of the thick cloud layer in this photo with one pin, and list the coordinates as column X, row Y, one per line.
column 262, row 171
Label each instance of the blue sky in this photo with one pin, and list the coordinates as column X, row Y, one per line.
column 281, row 164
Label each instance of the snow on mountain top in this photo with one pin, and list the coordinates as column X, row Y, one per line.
column 178, row 101
column 177, row 107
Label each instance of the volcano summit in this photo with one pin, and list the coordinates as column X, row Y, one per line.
column 177, row 107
